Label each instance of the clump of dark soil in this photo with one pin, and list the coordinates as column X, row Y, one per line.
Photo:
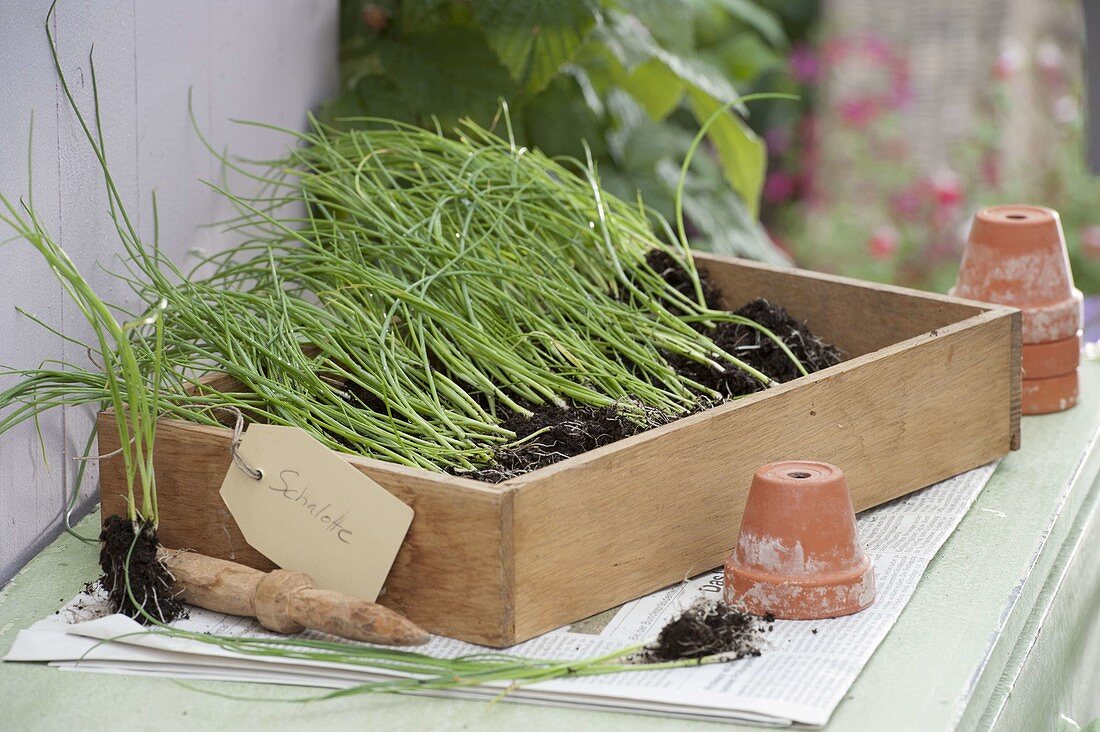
column 675, row 275
column 150, row 582
column 709, row 628
column 761, row 352
column 552, row 433
column 814, row 353
column 730, row 382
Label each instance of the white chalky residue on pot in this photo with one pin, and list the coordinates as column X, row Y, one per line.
column 1045, row 323
column 1042, row 323
column 866, row 587
column 773, row 555
column 762, row 594
column 781, row 598
column 1034, row 278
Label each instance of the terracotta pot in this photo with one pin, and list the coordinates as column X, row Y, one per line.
column 1016, row 255
column 1053, row 394
column 798, row 555
column 1043, row 360
column 1056, row 321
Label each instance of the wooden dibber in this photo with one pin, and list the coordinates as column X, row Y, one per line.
column 285, row 601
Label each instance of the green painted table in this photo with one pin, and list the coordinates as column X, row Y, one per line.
column 1003, row 631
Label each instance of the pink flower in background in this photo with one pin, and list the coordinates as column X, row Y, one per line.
column 883, row 243
column 885, row 80
column 858, row 113
column 946, row 187
column 1090, row 241
column 1049, row 58
column 878, row 49
column 804, row 64
column 779, row 186
column 1009, row 61
column 907, row 204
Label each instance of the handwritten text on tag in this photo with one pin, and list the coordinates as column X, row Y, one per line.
column 313, row 512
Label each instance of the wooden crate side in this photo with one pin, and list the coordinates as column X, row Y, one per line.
column 190, row 462
column 1016, row 367
column 860, row 317
column 452, row 575
column 620, row 522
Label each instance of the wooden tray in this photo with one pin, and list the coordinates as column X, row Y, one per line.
column 931, row 389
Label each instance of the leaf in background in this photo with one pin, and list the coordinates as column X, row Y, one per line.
column 422, row 15
column 558, row 121
column 670, row 22
column 627, row 39
column 449, row 73
column 701, row 75
column 535, row 37
column 763, row 21
column 633, row 45
column 743, row 58
column 646, row 157
column 656, row 88
column 743, row 155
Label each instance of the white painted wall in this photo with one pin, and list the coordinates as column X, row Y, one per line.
column 264, row 60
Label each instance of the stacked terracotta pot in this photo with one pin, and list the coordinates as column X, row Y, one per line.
column 1016, row 255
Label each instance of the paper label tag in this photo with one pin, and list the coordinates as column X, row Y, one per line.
column 313, row 512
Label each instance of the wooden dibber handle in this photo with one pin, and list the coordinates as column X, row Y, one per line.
column 284, row 601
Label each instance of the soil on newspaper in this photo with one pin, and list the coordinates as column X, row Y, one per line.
column 709, row 628
column 552, row 433
column 150, row 582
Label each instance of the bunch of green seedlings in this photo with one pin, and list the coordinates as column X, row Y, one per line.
column 525, row 305
column 398, row 292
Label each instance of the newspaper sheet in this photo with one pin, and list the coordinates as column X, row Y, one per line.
column 805, row 670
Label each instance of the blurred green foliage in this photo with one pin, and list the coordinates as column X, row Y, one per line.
column 631, row 78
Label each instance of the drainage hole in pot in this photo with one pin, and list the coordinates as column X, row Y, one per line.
column 798, row 474
column 1016, row 216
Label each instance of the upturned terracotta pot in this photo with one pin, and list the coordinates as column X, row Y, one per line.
column 1053, row 394
column 1044, row 360
column 1016, row 255
column 798, row 555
